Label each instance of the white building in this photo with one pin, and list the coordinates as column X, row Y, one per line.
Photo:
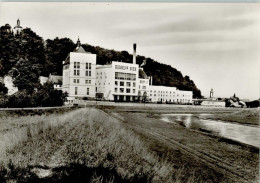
column 143, row 85
column 117, row 81
column 166, row 94
column 79, row 74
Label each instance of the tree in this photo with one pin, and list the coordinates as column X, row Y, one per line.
column 27, row 77
column 3, row 89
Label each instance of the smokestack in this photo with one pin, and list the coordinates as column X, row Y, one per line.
column 134, row 54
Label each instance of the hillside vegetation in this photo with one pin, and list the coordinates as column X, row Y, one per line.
column 26, row 56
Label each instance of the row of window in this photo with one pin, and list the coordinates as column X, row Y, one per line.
column 122, row 83
column 77, row 81
column 77, row 65
column 122, row 90
column 125, row 76
column 161, row 91
column 77, row 73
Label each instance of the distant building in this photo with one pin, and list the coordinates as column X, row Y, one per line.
column 210, row 102
column 79, row 74
column 166, row 94
column 116, row 81
column 18, row 27
column 55, row 79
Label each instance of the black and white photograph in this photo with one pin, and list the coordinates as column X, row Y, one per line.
column 129, row 92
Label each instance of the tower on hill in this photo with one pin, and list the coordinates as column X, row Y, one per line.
column 18, row 27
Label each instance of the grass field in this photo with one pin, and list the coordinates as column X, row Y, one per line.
column 122, row 144
column 84, row 144
column 243, row 116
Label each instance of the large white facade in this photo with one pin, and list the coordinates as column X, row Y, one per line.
column 117, row 81
column 79, row 74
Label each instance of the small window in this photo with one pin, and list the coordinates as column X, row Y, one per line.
column 116, row 90
column 89, row 73
column 133, row 90
column 116, row 83
column 121, row 90
column 87, row 91
column 128, row 90
column 122, row 83
column 76, row 90
column 128, row 84
column 133, row 84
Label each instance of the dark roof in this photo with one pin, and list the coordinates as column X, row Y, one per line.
column 142, row 74
column 80, row 49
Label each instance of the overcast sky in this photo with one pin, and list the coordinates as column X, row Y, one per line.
column 217, row 45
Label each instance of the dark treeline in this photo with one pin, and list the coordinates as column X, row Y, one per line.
column 25, row 56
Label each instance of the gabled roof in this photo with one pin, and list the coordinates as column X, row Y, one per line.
column 55, row 79
column 80, row 49
column 142, row 74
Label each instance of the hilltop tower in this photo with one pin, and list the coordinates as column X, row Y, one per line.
column 78, row 43
column 211, row 93
column 18, row 27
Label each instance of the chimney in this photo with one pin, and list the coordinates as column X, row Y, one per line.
column 151, row 80
column 134, row 54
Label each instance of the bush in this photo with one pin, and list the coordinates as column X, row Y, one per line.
column 44, row 96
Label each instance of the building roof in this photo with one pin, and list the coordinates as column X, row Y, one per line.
column 142, row 74
column 55, row 79
column 80, row 49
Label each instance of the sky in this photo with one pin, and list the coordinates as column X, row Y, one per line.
column 216, row 44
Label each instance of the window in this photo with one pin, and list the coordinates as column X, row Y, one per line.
column 87, row 91
column 133, row 84
column 121, row 90
column 128, row 90
column 87, row 81
column 122, row 83
column 133, row 68
column 133, row 90
column 76, row 90
column 76, row 65
column 144, row 87
column 75, row 80
column 89, row 66
column 76, row 72
column 116, row 83
column 89, row 73
column 116, row 90
column 128, row 84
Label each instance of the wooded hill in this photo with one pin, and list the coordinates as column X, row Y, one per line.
column 26, row 56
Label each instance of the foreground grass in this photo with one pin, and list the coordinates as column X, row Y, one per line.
column 82, row 145
column 243, row 116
